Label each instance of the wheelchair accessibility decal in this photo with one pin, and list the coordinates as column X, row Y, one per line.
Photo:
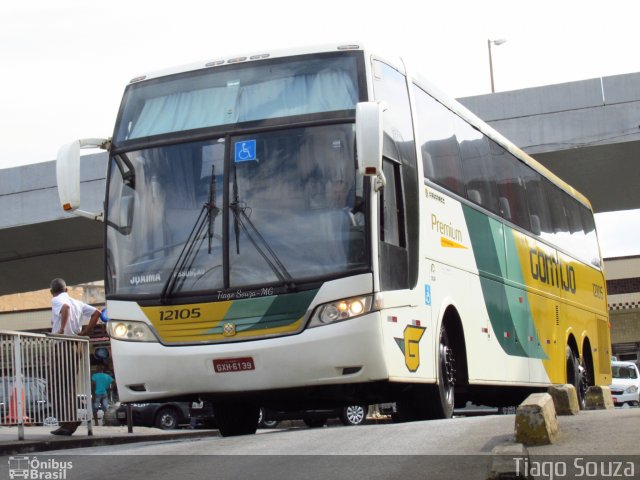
column 245, row 151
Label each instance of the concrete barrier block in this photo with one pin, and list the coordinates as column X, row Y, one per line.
column 536, row 420
column 598, row 398
column 565, row 399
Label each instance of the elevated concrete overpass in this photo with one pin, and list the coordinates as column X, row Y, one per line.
column 39, row 241
column 587, row 132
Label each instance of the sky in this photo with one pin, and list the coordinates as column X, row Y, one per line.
column 65, row 63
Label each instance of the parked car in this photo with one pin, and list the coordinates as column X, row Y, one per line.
column 163, row 415
column 349, row 415
column 202, row 415
column 625, row 383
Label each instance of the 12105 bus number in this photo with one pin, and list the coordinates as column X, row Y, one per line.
column 180, row 314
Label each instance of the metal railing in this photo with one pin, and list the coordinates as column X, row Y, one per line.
column 44, row 380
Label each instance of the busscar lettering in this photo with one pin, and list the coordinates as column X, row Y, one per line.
column 435, row 197
column 546, row 269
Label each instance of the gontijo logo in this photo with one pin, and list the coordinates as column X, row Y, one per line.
column 32, row 468
column 546, row 269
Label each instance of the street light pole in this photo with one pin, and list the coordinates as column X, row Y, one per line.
column 500, row 41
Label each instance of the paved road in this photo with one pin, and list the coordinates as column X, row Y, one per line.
column 459, row 448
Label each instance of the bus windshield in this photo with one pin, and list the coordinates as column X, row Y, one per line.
column 238, row 93
column 279, row 208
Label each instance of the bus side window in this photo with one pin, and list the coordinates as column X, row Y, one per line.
column 437, row 140
column 394, row 270
column 559, row 220
column 539, row 215
column 391, row 210
column 512, row 196
column 477, row 166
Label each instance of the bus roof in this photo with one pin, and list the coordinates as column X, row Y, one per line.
column 251, row 56
column 430, row 88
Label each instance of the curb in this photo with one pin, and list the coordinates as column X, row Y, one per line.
column 31, row 446
column 506, row 460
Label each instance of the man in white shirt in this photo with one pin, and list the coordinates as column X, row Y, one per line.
column 68, row 313
column 68, row 317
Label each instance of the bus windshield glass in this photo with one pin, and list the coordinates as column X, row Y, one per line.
column 238, row 93
column 272, row 208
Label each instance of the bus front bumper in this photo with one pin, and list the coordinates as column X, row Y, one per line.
column 346, row 352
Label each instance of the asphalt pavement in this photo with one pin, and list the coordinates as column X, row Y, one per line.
column 596, row 432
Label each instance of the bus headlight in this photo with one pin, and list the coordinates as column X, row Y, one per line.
column 130, row 331
column 341, row 310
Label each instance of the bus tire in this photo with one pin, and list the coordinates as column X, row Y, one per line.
column 443, row 397
column 233, row 420
column 576, row 376
column 429, row 402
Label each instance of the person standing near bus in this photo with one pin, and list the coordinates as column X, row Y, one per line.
column 102, row 382
column 68, row 316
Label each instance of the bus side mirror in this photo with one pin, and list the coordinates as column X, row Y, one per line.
column 369, row 141
column 68, row 174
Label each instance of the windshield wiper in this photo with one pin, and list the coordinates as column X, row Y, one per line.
column 206, row 217
column 244, row 223
column 127, row 171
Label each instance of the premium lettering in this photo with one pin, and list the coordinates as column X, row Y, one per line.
column 446, row 229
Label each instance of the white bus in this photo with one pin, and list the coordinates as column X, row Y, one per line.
column 317, row 228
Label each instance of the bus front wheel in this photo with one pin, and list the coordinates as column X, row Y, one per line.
column 236, row 419
column 425, row 402
column 443, row 399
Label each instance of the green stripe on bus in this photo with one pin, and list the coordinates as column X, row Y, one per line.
column 519, row 306
column 510, row 315
column 269, row 312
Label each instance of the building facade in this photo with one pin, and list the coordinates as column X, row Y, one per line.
column 623, row 288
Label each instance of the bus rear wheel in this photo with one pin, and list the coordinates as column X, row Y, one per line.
column 233, row 420
column 577, row 376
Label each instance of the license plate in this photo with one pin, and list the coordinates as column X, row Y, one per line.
column 225, row 365
column 121, row 415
